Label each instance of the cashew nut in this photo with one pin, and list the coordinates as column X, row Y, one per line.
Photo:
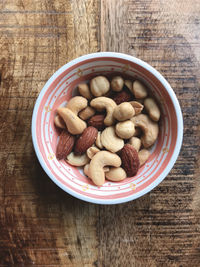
column 98, row 141
column 59, row 122
column 116, row 174
column 86, row 113
column 84, row 90
column 124, row 111
column 138, row 107
column 77, row 160
column 139, row 90
column 125, row 129
column 101, row 159
column 110, row 140
column 74, row 124
column 143, row 155
column 149, row 127
column 99, row 85
column 117, row 83
column 101, row 103
column 129, row 84
column 91, row 151
column 76, row 104
column 152, row 109
column 86, row 169
column 135, row 142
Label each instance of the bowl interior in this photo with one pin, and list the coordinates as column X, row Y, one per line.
column 72, row 179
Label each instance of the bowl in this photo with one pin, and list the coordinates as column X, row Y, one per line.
column 61, row 87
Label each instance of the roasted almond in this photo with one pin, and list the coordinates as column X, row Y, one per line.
column 130, row 160
column 123, row 96
column 97, row 121
column 86, row 140
column 65, row 145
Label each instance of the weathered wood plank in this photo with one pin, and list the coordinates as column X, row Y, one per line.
column 40, row 225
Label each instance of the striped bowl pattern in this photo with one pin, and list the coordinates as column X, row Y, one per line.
column 62, row 86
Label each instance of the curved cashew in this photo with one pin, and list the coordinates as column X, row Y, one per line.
column 152, row 109
column 77, row 160
column 59, row 122
column 101, row 103
column 98, row 141
column 125, row 129
column 143, row 156
column 76, row 104
column 149, row 127
column 116, row 174
column 110, row 140
column 84, row 90
column 91, row 151
column 86, row 113
column 124, row 111
column 99, row 85
column 135, row 142
column 138, row 107
column 101, row 159
column 74, row 124
column 129, row 84
column 86, row 169
column 117, row 83
column 139, row 90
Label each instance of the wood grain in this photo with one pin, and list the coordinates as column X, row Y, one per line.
column 161, row 228
column 40, row 225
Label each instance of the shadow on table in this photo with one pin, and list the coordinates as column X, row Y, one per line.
column 49, row 192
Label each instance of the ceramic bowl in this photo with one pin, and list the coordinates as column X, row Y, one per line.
column 62, row 86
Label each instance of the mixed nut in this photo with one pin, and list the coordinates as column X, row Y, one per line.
column 108, row 144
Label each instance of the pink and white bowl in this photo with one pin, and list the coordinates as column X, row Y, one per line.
column 60, row 88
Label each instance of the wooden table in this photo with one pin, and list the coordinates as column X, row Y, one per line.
column 40, row 224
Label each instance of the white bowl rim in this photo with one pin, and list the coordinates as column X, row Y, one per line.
column 177, row 110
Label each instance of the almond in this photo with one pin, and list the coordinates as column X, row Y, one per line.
column 130, row 160
column 65, row 145
column 123, row 96
column 86, row 140
column 97, row 121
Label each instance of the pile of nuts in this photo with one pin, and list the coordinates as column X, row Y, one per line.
column 105, row 127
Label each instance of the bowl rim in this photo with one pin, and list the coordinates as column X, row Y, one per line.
column 177, row 111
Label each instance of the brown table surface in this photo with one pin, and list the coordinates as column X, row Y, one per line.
column 40, row 224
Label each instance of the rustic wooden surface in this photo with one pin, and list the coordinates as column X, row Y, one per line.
column 40, row 225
